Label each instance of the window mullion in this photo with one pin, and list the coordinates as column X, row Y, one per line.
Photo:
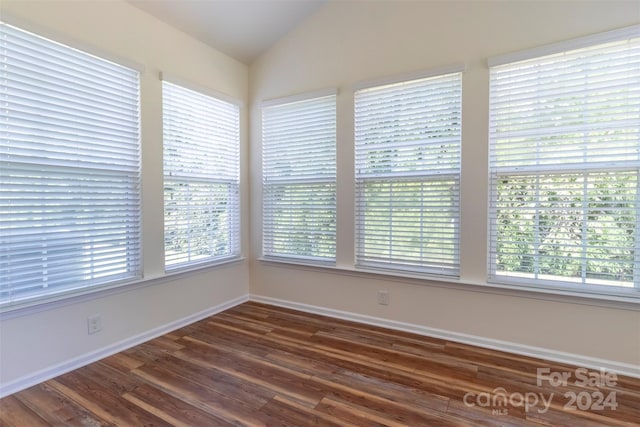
column 536, row 231
column 636, row 270
column 585, row 218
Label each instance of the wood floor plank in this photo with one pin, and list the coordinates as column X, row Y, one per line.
column 391, row 415
column 411, row 361
column 172, row 410
column 291, row 413
column 14, row 413
column 281, row 380
column 482, row 416
column 262, row 365
column 374, row 386
column 220, row 381
column 349, row 355
column 204, row 398
column 56, row 409
column 113, row 380
column 381, row 403
column 122, row 362
column 354, row 415
column 102, row 403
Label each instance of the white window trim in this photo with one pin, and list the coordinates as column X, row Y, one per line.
column 61, row 38
column 550, row 49
column 75, row 296
column 209, row 262
column 16, row 304
column 630, row 294
column 273, row 102
column 406, row 77
column 455, row 174
column 205, row 90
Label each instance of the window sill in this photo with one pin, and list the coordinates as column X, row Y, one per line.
column 75, row 296
column 298, row 261
column 197, row 266
column 617, row 301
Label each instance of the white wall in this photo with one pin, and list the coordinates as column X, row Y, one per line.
column 350, row 41
column 38, row 343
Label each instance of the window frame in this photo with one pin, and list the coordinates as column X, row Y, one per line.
column 299, row 179
column 403, row 267
column 234, row 230
column 584, row 168
column 134, row 263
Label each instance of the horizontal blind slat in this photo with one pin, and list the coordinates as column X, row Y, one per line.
column 299, row 179
column 201, row 137
column 69, row 169
column 564, row 166
column 407, row 175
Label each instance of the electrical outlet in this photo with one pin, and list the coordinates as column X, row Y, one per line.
column 94, row 324
column 383, row 297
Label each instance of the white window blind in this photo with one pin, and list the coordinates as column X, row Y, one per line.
column 299, row 179
column 69, row 169
column 201, row 177
column 564, row 165
column 407, row 142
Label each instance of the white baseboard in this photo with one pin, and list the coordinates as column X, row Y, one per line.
column 543, row 353
column 78, row 362
column 511, row 347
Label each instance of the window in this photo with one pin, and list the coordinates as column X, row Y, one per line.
column 201, row 177
column 69, row 169
column 407, row 142
column 299, row 179
column 565, row 164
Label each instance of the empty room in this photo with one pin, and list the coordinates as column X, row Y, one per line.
column 319, row 212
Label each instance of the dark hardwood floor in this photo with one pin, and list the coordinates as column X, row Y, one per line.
column 261, row 365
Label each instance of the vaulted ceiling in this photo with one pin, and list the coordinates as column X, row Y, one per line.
column 243, row 29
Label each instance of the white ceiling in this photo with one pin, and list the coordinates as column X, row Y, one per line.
column 243, row 29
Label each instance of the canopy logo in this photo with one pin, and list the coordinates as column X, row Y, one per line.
column 587, row 396
column 499, row 400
